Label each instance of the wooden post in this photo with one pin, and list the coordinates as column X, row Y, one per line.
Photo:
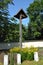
column 20, row 15
column 20, row 39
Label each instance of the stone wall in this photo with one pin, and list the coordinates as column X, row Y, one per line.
column 32, row 43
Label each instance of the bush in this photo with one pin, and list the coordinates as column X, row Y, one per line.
column 11, row 59
column 23, row 56
column 15, row 50
column 26, row 53
column 30, row 56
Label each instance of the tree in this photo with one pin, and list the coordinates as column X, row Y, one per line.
column 35, row 27
column 4, row 20
column 13, row 34
column 9, row 32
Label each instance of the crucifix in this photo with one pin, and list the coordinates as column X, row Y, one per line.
column 20, row 15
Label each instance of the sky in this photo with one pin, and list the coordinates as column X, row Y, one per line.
column 20, row 4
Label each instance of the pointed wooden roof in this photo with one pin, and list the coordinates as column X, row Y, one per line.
column 21, row 12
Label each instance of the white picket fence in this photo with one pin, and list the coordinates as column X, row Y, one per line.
column 32, row 43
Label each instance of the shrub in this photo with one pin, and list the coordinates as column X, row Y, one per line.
column 30, row 56
column 15, row 50
column 26, row 53
column 12, row 60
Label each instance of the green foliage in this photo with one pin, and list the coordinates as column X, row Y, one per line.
column 15, row 50
column 24, row 50
column 4, row 4
column 26, row 53
column 30, row 56
column 11, row 59
column 27, row 56
column 35, row 27
column 13, row 33
column 4, row 19
column 9, row 29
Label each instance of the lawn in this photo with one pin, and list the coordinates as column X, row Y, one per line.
column 32, row 62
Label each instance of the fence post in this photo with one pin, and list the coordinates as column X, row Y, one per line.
column 18, row 59
column 5, row 59
column 36, row 58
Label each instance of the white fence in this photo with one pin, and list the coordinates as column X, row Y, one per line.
column 32, row 43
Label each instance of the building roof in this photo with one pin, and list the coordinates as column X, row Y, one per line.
column 19, row 13
column 7, row 46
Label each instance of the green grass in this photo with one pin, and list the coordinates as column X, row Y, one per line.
column 32, row 62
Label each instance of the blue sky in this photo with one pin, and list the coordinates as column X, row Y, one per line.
column 13, row 9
